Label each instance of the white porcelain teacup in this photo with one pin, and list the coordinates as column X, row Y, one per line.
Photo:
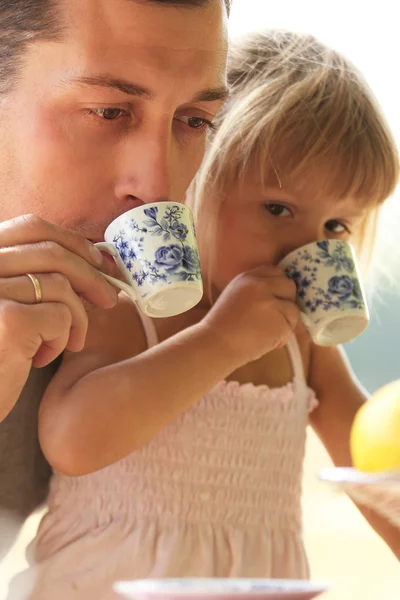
column 155, row 248
column 330, row 293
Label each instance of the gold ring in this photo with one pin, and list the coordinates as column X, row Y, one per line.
column 37, row 286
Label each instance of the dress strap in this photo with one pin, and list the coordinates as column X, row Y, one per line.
column 296, row 359
column 149, row 329
column 292, row 346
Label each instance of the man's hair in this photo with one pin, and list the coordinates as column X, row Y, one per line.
column 193, row 3
column 25, row 21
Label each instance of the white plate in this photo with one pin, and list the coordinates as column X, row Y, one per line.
column 351, row 475
column 218, row 588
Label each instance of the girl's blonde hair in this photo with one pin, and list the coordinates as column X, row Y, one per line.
column 301, row 112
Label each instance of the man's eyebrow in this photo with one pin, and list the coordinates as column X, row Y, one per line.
column 111, row 83
column 212, row 95
column 132, row 89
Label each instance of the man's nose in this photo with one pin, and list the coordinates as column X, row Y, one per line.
column 146, row 170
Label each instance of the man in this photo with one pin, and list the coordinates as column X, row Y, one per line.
column 104, row 106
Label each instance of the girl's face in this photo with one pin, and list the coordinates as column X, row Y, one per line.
column 259, row 225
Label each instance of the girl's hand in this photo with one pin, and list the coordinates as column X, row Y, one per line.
column 255, row 314
column 382, row 498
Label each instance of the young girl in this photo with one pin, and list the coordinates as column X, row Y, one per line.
column 178, row 444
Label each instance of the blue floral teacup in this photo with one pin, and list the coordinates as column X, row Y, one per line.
column 155, row 248
column 329, row 291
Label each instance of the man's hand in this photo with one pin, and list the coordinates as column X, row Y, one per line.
column 65, row 266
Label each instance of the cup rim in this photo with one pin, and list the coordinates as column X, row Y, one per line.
column 143, row 206
column 317, row 329
column 289, row 257
column 196, row 289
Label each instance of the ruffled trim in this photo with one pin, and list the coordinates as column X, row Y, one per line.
column 234, row 388
column 312, row 401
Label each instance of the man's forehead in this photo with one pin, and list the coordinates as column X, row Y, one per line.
column 142, row 23
column 148, row 44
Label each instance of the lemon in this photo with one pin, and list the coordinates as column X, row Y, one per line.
column 375, row 433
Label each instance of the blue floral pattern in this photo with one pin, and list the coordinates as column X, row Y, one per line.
column 342, row 290
column 175, row 259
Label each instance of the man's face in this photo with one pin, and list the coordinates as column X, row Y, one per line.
column 113, row 116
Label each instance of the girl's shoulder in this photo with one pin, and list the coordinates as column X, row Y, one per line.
column 277, row 368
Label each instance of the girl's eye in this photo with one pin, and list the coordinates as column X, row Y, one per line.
column 278, row 210
column 198, row 123
column 108, row 114
column 336, row 227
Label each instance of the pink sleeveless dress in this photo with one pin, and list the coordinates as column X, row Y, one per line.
column 216, row 493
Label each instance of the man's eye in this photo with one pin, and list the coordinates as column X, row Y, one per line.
column 108, row 114
column 336, row 227
column 278, row 210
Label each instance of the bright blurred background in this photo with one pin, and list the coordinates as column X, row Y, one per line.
column 342, row 548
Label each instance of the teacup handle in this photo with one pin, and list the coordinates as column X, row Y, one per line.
column 125, row 287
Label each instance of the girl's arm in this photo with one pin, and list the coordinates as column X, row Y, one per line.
column 340, row 396
column 115, row 395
